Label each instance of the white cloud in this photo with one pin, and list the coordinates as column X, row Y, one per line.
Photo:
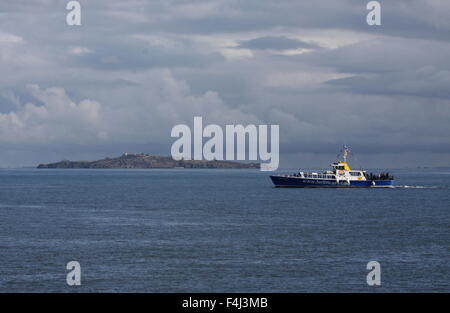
column 144, row 116
column 76, row 50
column 59, row 119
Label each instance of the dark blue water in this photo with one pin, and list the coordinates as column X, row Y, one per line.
column 219, row 231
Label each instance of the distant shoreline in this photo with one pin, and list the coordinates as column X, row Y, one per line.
column 147, row 161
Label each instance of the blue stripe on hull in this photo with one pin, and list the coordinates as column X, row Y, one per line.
column 285, row 181
column 384, row 183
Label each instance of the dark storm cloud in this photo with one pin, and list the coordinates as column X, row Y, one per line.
column 382, row 55
column 135, row 68
column 426, row 83
column 388, row 66
column 404, row 18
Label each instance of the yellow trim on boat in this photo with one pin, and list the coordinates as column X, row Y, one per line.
column 346, row 167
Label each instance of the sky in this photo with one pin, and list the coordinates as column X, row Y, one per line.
column 134, row 69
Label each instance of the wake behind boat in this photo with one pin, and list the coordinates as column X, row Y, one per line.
column 339, row 176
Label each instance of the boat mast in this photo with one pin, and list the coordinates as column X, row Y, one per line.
column 345, row 151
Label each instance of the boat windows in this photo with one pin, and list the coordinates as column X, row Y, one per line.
column 355, row 173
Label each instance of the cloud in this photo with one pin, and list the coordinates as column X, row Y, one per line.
column 427, row 82
column 136, row 53
column 62, row 120
column 6, row 38
column 275, row 43
column 76, row 50
column 59, row 119
column 134, row 69
column 383, row 54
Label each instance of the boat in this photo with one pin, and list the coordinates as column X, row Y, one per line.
column 340, row 176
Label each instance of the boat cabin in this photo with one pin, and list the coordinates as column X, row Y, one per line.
column 340, row 166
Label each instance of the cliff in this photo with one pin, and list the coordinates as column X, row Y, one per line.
column 147, row 161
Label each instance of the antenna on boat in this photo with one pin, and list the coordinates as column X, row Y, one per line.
column 345, row 150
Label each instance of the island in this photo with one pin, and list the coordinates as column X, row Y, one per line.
column 143, row 160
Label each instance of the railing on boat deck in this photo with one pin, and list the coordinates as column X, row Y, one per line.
column 315, row 175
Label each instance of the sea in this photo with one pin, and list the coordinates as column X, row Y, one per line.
column 214, row 230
